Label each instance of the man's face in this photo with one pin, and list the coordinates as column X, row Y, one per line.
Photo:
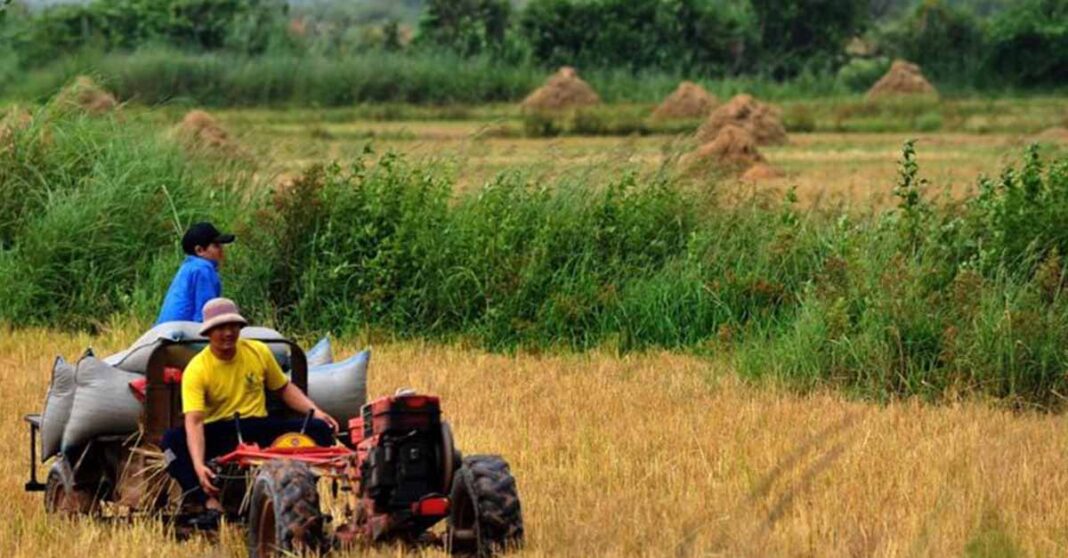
column 213, row 251
column 223, row 338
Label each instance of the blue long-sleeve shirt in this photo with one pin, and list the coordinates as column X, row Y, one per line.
column 196, row 282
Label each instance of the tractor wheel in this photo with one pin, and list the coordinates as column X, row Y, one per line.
column 284, row 516
column 485, row 516
column 61, row 496
column 450, row 458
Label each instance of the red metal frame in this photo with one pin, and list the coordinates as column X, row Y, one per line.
column 248, row 455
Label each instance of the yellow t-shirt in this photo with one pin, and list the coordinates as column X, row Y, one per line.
column 220, row 388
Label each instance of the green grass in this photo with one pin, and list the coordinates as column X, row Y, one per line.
column 156, row 76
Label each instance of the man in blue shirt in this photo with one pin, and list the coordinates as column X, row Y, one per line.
column 197, row 280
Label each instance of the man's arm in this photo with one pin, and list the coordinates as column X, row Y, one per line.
column 296, row 400
column 194, row 434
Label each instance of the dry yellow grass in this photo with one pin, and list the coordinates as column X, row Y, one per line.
column 658, row 455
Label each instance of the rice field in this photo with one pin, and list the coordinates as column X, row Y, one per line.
column 653, row 454
column 855, row 169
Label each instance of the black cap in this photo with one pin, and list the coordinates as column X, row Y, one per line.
column 203, row 234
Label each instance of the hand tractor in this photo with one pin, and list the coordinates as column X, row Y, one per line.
column 392, row 477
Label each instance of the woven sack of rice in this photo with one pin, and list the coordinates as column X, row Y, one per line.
column 57, row 407
column 340, row 388
column 103, row 403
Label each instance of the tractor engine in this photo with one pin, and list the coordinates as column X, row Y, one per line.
column 405, row 463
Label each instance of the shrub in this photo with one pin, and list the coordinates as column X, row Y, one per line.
column 859, row 74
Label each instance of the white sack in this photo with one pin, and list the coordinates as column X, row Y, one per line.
column 340, row 388
column 57, row 407
column 135, row 359
column 320, row 353
column 103, row 403
column 279, row 350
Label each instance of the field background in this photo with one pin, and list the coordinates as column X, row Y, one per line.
column 864, row 356
column 654, row 453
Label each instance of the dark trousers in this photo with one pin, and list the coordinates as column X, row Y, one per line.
column 220, row 438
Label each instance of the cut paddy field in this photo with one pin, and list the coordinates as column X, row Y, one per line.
column 655, row 454
column 844, row 154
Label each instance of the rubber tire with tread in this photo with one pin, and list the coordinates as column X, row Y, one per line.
column 484, row 499
column 290, row 489
column 59, row 497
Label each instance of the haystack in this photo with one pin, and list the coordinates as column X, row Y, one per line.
column 16, row 119
column 733, row 148
column 689, row 100
column 904, row 78
column 200, row 130
column 563, row 90
column 762, row 121
column 1057, row 134
column 84, row 94
column 760, row 172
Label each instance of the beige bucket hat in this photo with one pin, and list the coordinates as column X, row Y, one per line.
column 219, row 311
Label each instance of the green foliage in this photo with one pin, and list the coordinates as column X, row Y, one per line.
column 803, row 34
column 162, row 75
column 468, row 27
column 86, row 209
column 948, row 41
column 1017, row 220
column 1029, row 43
column 683, row 35
column 245, row 25
column 634, row 46
column 935, row 302
column 859, row 74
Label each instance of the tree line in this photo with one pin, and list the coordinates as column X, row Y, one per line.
column 972, row 43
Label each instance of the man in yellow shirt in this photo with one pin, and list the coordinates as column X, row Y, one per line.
column 230, row 377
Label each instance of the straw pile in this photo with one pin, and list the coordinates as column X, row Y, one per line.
column 563, row 90
column 200, row 131
column 762, row 121
column 85, row 95
column 903, row 78
column 14, row 120
column 689, row 100
column 733, row 149
column 761, row 172
column 1057, row 134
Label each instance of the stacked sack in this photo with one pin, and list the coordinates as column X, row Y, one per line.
column 339, row 388
column 95, row 397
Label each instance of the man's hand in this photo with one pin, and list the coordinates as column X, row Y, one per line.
column 319, row 414
column 296, row 400
column 206, row 476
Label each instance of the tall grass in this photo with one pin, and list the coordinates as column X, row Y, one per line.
column 87, row 209
column 159, row 75
column 923, row 299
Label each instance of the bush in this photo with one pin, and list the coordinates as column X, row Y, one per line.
column 859, row 74
column 929, row 121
